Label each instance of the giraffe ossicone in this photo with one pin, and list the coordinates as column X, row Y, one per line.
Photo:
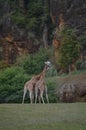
column 48, row 63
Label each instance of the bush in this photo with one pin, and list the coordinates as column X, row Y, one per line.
column 51, row 72
column 34, row 63
column 19, row 18
column 70, row 48
column 3, row 64
column 52, row 91
column 12, row 81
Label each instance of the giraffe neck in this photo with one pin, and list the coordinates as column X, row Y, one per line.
column 43, row 73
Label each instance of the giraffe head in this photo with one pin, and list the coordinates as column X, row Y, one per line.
column 48, row 65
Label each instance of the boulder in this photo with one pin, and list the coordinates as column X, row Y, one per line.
column 73, row 89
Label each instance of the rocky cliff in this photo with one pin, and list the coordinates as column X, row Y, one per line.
column 74, row 12
column 19, row 29
column 68, row 13
column 29, row 23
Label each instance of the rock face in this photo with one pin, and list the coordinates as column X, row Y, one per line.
column 15, row 38
column 73, row 12
column 73, row 89
column 70, row 12
column 67, row 13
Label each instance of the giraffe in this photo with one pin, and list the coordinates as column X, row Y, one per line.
column 41, row 84
column 29, row 86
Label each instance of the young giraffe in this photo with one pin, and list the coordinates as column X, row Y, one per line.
column 41, row 84
column 29, row 86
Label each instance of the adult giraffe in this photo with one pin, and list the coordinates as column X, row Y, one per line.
column 41, row 84
column 30, row 85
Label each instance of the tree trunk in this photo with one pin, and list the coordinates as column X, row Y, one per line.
column 21, row 3
column 6, row 52
column 45, row 36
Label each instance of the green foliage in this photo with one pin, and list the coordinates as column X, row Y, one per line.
column 32, row 17
column 19, row 19
column 82, row 40
column 32, row 23
column 51, row 72
column 3, row 64
column 12, row 81
column 34, row 63
column 52, row 91
column 8, row 74
column 35, row 13
column 35, row 8
column 38, row 15
column 69, row 50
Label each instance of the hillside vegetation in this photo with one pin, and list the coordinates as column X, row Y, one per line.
column 32, row 32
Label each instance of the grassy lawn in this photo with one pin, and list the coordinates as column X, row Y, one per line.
column 60, row 116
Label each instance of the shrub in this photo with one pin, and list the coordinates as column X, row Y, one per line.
column 51, row 72
column 34, row 63
column 70, row 48
column 19, row 18
column 3, row 64
column 12, row 81
column 52, row 91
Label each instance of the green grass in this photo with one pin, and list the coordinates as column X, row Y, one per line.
column 60, row 116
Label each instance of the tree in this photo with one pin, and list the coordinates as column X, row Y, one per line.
column 69, row 50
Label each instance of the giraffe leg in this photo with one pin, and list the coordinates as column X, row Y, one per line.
column 31, row 97
column 36, row 94
column 41, row 95
column 39, row 99
column 25, row 90
column 46, row 94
